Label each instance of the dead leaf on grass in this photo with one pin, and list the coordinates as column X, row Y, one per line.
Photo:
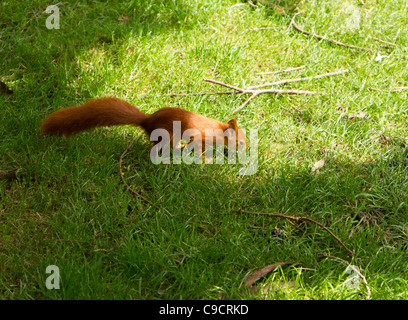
column 319, row 164
column 257, row 274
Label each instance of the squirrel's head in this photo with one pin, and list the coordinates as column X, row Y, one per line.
column 235, row 135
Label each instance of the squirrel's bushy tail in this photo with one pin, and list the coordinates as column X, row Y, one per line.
column 99, row 112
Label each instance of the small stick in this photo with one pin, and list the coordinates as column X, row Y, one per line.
column 251, row 4
column 386, row 42
column 108, row 250
column 299, row 79
column 184, row 94
column 250, row 90
column 226, row 85
column 281, row 215
column 281, row 71
column 254, row 93
column 123, row 179
column 199, row 93
column 292, row 23
column 277, row 91
column 239, row 90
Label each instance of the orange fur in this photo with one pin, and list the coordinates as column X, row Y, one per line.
column 113, row 111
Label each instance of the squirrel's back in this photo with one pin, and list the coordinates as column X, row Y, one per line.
column 113, row 111
column 164, row 118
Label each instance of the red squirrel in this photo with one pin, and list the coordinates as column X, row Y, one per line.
column 101, row 112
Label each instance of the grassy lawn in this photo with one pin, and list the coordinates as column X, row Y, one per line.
column 70, row 208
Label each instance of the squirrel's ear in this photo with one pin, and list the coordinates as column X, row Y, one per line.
column 233, row 124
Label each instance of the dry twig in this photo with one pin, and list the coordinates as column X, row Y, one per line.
column 198, row 93
column 294, row 25
column 254, row 93
column 296, row 218
column 108, row 250
column 184, row 94
column 385, row 42
column 251, row 4
column 297, row 80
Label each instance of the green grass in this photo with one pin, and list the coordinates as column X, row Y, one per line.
column 71, row 209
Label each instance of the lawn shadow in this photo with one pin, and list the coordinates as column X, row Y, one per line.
column 34, row 56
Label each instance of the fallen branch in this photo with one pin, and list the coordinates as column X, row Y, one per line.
column 250, row 89
column 123, row 179
column 294, row 25
column 254, row 93
column 299, row 79
column 295, row 218
column 281, row 71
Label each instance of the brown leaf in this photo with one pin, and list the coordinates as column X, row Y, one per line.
column 319, row 164
column 257, row 274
